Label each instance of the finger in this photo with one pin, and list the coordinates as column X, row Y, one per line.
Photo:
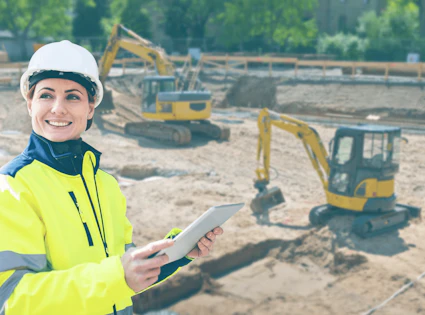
column 211, row 236
column 149, row 263
column 206, row 242
column 145, row 251
column 218, row 230
column 151, row 273
column 203, row 250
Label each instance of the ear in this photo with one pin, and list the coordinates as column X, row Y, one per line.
column 29, row 107
column 91, row 111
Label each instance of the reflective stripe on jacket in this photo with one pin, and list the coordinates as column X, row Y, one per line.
column 63, row 230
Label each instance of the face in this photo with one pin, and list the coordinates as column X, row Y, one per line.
column 60, row 109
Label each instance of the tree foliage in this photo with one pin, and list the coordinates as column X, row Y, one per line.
column 342, row 46
column 136, row 17
column 188, row 18
column 88, row 16
column 36, row 18
column 131, row 13
column 392, row 34
column 275, row 21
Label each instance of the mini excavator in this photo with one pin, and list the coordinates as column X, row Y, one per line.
column 357, row 176
column 171, row 115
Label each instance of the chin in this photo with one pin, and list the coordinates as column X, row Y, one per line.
column 57, row 137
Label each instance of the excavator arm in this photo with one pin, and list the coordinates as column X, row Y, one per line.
column 313, row 146
column 138, row 46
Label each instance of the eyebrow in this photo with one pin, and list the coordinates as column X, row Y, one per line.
column 46, row 88
column 67, row 91
column 72, row 90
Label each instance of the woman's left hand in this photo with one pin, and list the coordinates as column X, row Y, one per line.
column 205, row 244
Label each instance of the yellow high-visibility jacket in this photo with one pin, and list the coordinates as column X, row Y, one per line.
column 63, row 230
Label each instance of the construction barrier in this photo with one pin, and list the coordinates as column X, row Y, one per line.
column 241, row 64
column 233, row 63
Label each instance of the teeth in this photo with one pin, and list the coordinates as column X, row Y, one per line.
column 58, row 124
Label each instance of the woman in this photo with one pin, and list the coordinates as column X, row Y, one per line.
column 66, row 244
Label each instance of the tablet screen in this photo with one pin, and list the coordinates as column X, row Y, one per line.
column 189, row 237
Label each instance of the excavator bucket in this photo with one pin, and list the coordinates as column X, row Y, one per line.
column 267, row 199
column 107, row 103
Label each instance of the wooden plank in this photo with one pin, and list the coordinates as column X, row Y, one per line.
column 13, row 65
column 178, row 58
column 5, row 80
column 263, row 59
column 217, row 65
column 207, row 62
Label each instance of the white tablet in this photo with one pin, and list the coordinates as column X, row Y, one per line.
column 189, row 237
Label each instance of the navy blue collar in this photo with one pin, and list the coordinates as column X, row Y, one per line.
column 65, row 157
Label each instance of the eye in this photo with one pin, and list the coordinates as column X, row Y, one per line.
column 46, row 96
column 72, row 97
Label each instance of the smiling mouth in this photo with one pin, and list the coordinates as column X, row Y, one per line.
column 58, row 124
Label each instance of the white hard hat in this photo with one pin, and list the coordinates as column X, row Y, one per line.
column 64, row 57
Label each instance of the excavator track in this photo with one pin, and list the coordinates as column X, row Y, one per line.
column 366, row 224
column 372, row 225
column 169, row 133
column 208, row 129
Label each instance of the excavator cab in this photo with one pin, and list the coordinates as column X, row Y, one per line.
column 362, row 166
column 364, row 160
column 152, row 85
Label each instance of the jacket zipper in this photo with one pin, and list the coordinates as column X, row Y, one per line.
column 102, row 236
column 86, row 228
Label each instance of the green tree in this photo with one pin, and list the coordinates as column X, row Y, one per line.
column 392, row 34
column 277, row 21
column 421, row 8
column 35, row 18
column 88, row 15
column 135, row 16
column 189, row 18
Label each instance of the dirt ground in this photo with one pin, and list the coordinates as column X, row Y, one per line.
column 279, row 265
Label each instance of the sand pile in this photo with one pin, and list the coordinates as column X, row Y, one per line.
column 251, row 91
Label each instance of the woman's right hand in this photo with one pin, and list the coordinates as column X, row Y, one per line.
column 140, row 270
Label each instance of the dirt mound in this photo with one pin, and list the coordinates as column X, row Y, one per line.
column 251, row 91
column 127, row 84
column 321, row 248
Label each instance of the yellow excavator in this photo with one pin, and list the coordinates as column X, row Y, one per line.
column 357, row 176
column 171, row 115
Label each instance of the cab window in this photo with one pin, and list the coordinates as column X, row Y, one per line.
column 376, row 149
column 344, row 148
column 167, row 86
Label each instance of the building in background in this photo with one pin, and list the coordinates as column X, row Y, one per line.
column 335, row 16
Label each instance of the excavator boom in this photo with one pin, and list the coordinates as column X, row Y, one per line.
column 138, row 46
column 313, row 145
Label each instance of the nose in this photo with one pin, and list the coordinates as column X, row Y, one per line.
column 59, row 107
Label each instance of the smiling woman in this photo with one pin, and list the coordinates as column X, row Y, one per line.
column 66, row 243
column 59, row 109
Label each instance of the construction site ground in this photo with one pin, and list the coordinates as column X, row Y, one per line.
column 276, row 264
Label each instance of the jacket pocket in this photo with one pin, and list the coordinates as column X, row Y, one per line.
column 86, row 228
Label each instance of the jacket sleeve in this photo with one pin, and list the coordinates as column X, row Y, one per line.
column 27, row 283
